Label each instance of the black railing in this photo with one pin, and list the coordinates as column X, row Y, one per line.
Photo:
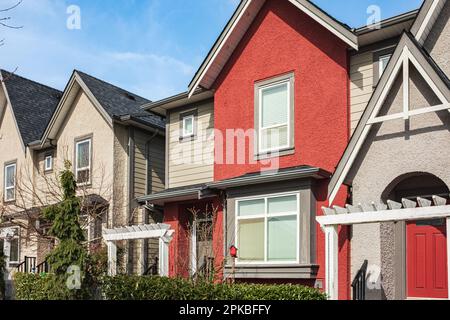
column 153, row 269
column 42, row 268
column 359, row 283
column 28, row 265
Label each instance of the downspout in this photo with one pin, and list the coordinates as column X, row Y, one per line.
column 148, row 189
column 131, row 150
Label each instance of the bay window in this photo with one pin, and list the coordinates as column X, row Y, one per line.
column 274, row 100
column 267, row 229
column 10, row 182
column 83, row 161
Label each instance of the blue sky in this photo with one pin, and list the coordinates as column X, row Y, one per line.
column 150, row 47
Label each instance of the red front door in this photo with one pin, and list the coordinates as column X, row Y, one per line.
column 427, row 259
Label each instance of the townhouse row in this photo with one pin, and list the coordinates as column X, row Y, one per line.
column 304, row 151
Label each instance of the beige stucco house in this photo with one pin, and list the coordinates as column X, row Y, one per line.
column 115, row 149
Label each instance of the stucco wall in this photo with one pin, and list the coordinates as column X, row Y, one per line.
column 283, row 40
column 438, row 41
column 392, row 149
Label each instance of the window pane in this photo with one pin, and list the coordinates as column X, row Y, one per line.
column 274, row 109
column 282, row 204
column 274, row 138
column 10, row 176
column 251, row 207
column 83, row 155
column 188, row 126
column 282, row 238
column 14, row 254
column 10, row 194
column 251, row 240
column 48, row 163
column 383, row 63
column 2, row 244
column 83, row 176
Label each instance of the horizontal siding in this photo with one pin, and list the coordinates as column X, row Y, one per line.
column 361, row 85
column 149, row 163
column 192, row 162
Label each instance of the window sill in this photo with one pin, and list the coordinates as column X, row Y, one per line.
column 188, row 138
column 273, row 271
column 274, row 154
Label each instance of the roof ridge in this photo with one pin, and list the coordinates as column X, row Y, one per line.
column 29, row 80
column 108, row 83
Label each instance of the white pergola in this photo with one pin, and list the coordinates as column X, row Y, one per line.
column 408, row 210
column 148, row 231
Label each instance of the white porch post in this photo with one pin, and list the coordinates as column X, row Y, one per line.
column 448, row 256
column 164, row 257
column 331, row 261
column 112, row 258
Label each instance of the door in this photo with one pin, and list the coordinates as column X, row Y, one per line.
column 427, row 259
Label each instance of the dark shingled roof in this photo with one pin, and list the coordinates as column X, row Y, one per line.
column 33, row 105
column 119, row 102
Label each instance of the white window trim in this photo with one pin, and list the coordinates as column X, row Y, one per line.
column 7, row 243
column 286, row 82
column 48, row 168
column 265, row 216
column 381, row 58
column 13, row 187
column 186, row 134
column 77, row 169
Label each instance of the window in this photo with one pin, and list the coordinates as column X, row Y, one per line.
column 188, row 126
column 275, row 112
column 382, row 63
column 83, row 161
column 9, row 244
column 48, row 163
column 267, row 229
column 10, row 182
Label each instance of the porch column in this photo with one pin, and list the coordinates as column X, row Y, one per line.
column 112, row 258
column 331, row 261
column 163, row 257
column 448, row 256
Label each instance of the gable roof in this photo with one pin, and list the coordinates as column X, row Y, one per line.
column 32, row 104
column 238, row 25
column 112, row 102
column 428, row 14
column 118, row 102
column 438, row 81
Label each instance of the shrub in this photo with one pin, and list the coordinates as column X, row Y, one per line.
column 156, row 288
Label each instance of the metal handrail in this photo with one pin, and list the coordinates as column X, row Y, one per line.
column 359, row 283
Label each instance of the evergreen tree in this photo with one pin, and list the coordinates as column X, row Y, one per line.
column 2, row 274
column 70, row 249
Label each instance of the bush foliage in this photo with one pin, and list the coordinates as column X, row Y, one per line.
column 156, row 288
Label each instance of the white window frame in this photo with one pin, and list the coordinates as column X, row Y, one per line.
column 266, row 216
column 380, row 64
column 7, row 244
column 77, row 169
column 48, row 168
column 261, row 88
column 6, row 188
column 184, row 133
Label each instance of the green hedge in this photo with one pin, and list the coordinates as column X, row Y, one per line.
column 156, row 288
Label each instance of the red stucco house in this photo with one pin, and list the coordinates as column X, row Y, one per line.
column 259, row 145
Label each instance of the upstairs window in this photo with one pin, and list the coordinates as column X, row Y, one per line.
column 275, row 113
column 382, row 63
column 10, row 182
column 48, row 163
column 83, row 160
column 188, row 125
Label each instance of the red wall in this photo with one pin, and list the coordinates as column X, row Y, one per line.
column 282, row 39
